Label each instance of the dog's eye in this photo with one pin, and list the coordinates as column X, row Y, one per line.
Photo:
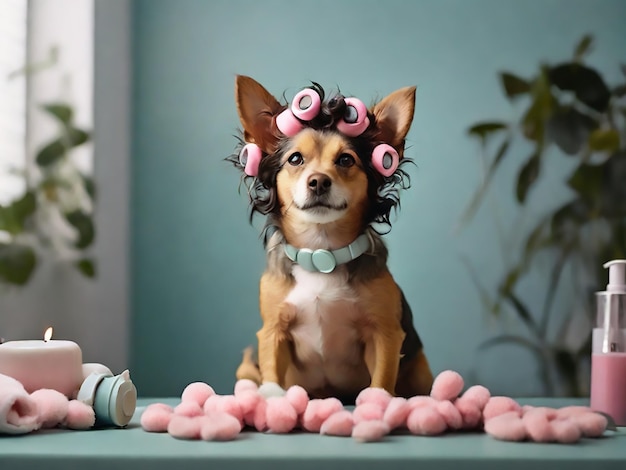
column 345, row 160
column 296, row 159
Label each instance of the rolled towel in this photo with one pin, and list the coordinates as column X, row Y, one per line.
column 18, row 411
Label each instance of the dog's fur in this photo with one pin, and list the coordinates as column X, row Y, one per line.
column 336, row 333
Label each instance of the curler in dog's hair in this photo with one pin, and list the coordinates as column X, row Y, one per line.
column 306, row 104
column 288, row 124
column 250, row 158
column 385, row 159
column 355, row 120
column 304, row 107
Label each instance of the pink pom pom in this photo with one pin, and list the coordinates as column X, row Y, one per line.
column 298, row 397
column 426, row 421
column 79, row 415
column 248, row 401
column 156, row 417
column 478, row 394
column 538, row 426
column 244, row 385
column 499, row 405
column 370, row 431
column 368, row 412
column 450, row 414
column 183, row 427
column 377, row 396
column 260, row 420
column 51, row 405
column 338, row 424
column 590, row 423
column 397, row 412
column 470, row 412
column 565, row 431
column 224, row 403
column 197, row 392
column 189, row 409
column 219, row 426
column 318, row 411
column 280, row 416
column 506, row 427
column 421, row 400
column 447, row 386
column 570, row 411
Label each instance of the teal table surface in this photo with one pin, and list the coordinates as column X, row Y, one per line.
column 133, row 448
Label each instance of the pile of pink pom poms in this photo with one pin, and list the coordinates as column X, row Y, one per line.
column 202, row 414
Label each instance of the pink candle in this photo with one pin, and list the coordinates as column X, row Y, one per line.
column 37, row 364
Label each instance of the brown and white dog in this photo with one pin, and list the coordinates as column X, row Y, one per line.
column 327, row 173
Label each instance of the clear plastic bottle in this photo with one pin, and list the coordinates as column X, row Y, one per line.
column 608, row 356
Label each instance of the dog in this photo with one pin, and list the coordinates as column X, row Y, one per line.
column 327, row 173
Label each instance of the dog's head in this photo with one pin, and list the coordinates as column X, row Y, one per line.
column 323, row 161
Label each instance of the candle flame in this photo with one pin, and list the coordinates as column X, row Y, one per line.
column 48, row 334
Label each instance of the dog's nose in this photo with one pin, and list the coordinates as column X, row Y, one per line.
column 319, row 183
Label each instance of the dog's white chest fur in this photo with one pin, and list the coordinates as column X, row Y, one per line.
column 325, row 334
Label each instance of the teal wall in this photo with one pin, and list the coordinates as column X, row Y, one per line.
column 196, row 260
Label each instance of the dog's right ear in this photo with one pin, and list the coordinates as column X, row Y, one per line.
column 257, row 110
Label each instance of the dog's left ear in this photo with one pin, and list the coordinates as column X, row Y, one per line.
column 394, row 115
column 257, row 111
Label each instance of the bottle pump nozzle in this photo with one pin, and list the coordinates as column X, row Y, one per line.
column 617, row 276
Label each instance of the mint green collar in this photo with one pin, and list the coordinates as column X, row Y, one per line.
column 325, row 261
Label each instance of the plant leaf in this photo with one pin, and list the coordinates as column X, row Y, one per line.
column 585, row 82
column 538, row 113
column 24, row 207
column 83, row 223
column 60, row 111
column 583, row 47
column 76, row 137
column 514, row 85
column 619, row 90
column 604, row 140
column 478, row 196
column 17, row 263
column 484, row 129
column 90, row 185
column 567, row 220
column 587, row 180
column 87, row 267
column 50, row 153
column 527, row 176
column 569, row 129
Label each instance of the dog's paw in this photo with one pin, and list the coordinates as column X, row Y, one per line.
column 271, row 389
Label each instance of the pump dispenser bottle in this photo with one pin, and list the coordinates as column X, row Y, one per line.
column 608, row 355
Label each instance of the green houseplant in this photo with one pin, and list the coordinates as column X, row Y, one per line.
column 53, row 216
column 568, row 106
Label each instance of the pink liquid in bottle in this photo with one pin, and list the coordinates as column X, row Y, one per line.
column 608, row 385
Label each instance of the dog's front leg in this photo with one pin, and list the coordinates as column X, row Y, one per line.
column 382, row 357
column 274, row 350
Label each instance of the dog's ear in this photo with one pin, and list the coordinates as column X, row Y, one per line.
column 394, row 115
column 257, row 109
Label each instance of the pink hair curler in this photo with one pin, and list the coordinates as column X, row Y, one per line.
column 355, row 119
column 288, row 124
column 306, row 104
column 250, row 157
column 385, row 159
